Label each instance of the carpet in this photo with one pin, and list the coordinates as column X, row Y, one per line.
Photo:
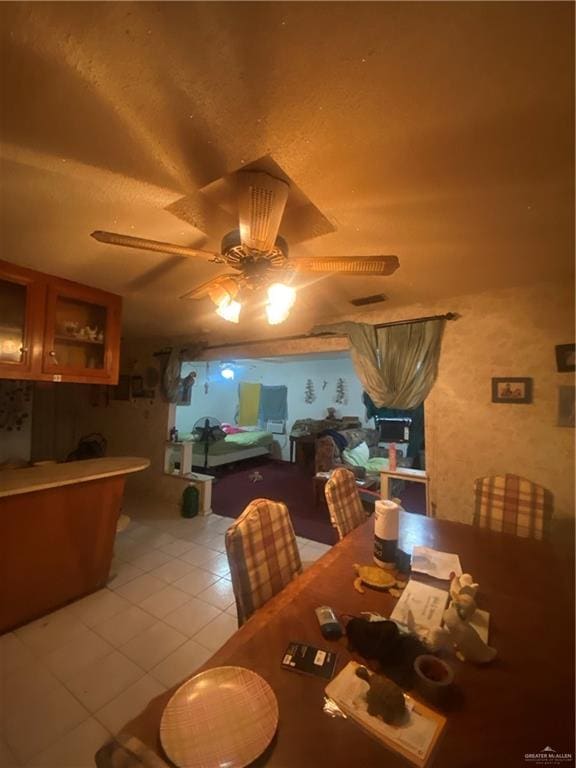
column 281, row 481
column 289, row 483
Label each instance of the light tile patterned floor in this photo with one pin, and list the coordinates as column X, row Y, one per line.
column 72, row 678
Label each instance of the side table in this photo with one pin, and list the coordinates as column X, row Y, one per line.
column 404, row 473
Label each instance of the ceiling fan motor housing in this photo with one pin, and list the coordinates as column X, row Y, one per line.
column 234, row 252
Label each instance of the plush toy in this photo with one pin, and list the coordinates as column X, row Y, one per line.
column 383, row 642
column 456, row 631
column 469, row 644
column 462, row 585
column 385, row 699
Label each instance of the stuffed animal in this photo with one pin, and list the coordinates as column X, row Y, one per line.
column 456, row 631
column 462, row 585
column 469, row 644
column 385, row 699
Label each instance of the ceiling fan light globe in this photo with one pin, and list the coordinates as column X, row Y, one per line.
column 281, row 295
column 229, row 310
column 276, row 314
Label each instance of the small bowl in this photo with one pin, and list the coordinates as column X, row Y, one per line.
column 434, row 677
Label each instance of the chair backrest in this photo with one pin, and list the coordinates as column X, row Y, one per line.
column 343, row 499
column 512, row 504
column 326, row 454
column 262, row 554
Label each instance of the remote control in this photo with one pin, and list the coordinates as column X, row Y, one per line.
column 329, row 625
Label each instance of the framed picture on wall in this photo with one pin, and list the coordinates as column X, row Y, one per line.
column 566, row 358
column 566, row 406
column 512, row 390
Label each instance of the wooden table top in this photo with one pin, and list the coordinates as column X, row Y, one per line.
column 519, row 704
column 30, row 479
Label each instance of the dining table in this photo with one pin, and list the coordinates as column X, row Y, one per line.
column 500, row 714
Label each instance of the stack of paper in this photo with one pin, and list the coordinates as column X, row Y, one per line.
column 420, row 608
column 434, row 563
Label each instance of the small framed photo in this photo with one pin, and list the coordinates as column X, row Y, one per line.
column 566, row 408
column 512, row 390
column 566, row 358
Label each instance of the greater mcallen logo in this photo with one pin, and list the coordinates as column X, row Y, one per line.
column 548, row 756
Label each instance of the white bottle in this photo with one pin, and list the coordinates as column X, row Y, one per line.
column 386, row 517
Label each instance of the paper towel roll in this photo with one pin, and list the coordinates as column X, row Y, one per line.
column 386, row 515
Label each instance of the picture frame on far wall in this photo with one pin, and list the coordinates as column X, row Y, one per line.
column 512, row 390
column 565, row 358
column 566, row 406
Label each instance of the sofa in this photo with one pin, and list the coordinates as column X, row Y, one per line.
column 347, row 447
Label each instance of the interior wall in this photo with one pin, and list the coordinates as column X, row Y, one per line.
column 509, row 332
column 506, row 333
column 15, row 420
column 221, row 399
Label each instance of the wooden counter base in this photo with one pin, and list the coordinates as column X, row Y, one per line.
column 56, row 546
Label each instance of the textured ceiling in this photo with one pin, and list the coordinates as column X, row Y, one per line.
column 439, row 132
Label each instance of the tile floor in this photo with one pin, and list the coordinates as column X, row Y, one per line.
column 76, row 676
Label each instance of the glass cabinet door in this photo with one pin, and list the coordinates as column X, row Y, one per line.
column 79, row 335
column 13, row 303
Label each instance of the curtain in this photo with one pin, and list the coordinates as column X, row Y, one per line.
column 273, row 404
column 171, row 382
column 397, row 364
column 248, row 403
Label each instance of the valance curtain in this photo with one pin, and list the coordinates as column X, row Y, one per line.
column 171, row 380
column 396, row 364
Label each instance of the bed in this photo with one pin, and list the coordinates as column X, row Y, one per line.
column 236, row 447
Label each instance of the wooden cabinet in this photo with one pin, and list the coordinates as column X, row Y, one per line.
column 55, row 330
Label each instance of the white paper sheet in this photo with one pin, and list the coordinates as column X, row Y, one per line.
column 437, row 564
column 426, row 605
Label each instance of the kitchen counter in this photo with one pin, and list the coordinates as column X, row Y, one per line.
column 30, row 479
column 58, row 526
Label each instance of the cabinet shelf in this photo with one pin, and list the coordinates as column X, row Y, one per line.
column 74, row 340
column 47, row 314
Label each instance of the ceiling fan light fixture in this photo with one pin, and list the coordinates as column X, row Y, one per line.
column 281, row 294
column 229, row 310
column 276, row 314
column 281, row 299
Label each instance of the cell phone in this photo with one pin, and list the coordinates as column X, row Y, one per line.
column 329, row 625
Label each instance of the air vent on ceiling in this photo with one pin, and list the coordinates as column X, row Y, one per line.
column 364, row 300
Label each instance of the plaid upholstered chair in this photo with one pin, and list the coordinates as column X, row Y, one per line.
column 343, row 499
column 512, row 504
column 262, row 554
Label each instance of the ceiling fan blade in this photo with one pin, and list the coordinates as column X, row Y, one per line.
column 351, row 265
column 112, row 238
column 229, row 283
column 261, row 202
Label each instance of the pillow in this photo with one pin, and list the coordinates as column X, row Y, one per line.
column 230, row 429
column 357, row 457
column 377, row 464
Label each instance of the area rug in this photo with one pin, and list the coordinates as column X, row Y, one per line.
column 256, row 478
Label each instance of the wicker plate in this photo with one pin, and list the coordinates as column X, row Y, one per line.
column 225, row 716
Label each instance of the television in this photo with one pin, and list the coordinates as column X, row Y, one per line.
column 394, row 430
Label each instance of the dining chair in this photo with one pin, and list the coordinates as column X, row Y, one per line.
column 512, row 504
column 344, row 504
column 262, row 553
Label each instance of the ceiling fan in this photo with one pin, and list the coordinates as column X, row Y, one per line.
column 257, row 252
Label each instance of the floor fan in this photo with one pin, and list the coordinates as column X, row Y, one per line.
column 207, row 431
